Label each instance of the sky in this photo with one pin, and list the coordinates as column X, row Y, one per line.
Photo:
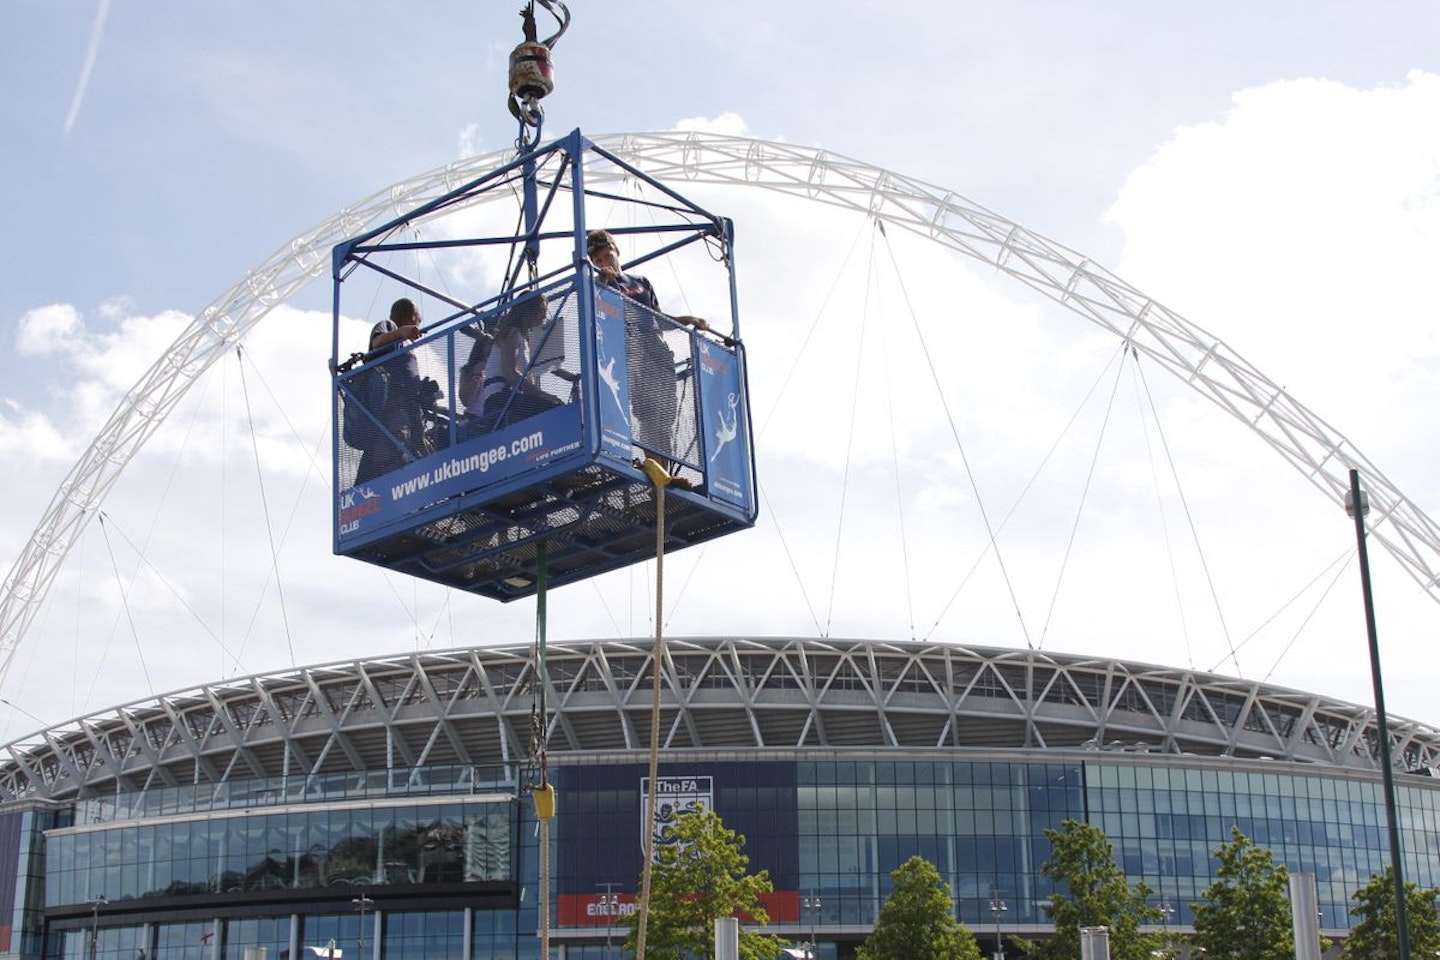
column 1270, row 171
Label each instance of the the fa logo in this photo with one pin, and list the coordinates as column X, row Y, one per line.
column 674, row 797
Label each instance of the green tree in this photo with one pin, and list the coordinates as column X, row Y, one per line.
column 917, row 921
column 1094, row 893
column 699, row 876
column 1245, row 913
column 1373, row 937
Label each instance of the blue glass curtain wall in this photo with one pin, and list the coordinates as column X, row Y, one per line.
column 455, row 780
column 458, row 842
column 982, row 825
column 824, row 828
column 1165, row 822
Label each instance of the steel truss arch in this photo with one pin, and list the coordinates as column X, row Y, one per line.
column 1318, row 451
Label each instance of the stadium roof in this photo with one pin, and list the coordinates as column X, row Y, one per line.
column 473, row 707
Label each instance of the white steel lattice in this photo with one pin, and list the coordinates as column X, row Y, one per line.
column 1301, row 438
column 721, row 697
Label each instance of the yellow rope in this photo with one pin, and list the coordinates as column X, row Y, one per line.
column 545, row 793
column 545, row 888
column 660, row 477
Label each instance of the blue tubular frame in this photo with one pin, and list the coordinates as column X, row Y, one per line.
column 474, row 512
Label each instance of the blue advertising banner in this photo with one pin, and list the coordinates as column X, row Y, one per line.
column 599, row 842
column 484, row 461
column 610, row 359
column 723, row 423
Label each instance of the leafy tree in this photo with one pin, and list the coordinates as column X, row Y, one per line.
column 1374, row 936
column 917, row 922
column 1245, row 913
column 698, row 877
column 1095, row 893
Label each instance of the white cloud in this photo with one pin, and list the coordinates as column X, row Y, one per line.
column 472, row 140
column 90, row 369
column 1303, row 227
column 30, row 434
column 728, row 123
column 49, row 329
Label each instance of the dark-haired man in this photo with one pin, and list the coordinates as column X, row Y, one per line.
column 390, row 388
column 651, row 362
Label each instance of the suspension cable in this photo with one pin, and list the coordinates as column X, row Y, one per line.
column 895, row 468
column 164, row 580
column 1190, row 522
column 850, row 438
column 1165, row 535
column 1339, row 565
column 265, row 504
column 125, row 605
column 140, row 552
column 1084, row 495
column 1019, row 499
column 990, row 529
column 770, row 510
column 810, row 333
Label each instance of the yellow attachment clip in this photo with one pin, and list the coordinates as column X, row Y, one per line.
column 545, row 801
column 656, row 472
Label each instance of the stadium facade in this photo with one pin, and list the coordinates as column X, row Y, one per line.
column 378, row 807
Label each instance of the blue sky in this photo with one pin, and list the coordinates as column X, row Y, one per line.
column 1268, row 170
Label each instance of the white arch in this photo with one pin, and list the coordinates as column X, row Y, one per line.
column 1304, row 440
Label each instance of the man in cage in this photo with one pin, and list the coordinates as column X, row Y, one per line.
column 651, row 362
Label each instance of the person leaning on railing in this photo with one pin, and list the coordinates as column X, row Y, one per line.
column 651, row 361
column 391, row 388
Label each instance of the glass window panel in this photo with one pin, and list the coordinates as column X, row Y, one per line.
column 272, row 933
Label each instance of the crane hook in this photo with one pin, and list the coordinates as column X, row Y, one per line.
column 532, row 69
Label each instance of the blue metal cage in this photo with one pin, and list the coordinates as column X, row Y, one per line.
column 447, row 474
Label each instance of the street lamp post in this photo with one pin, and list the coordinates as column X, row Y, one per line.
column 362, row 903
column 812, row 906
column 1358, row 505
column 1166, row 912
column 609, row 902
column 95, row 904
column 997, row 910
